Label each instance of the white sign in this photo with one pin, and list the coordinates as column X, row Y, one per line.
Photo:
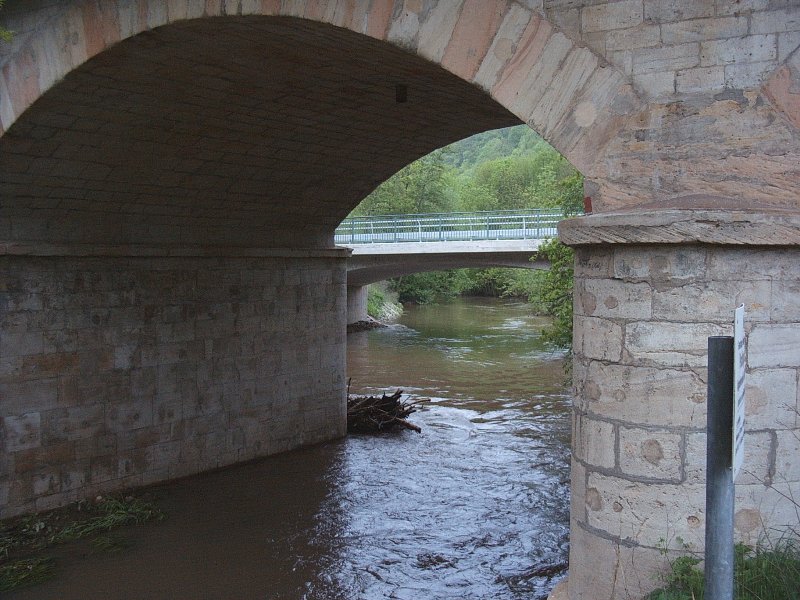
column 739, row 365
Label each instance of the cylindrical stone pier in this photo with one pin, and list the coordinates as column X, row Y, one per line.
column 650, row 288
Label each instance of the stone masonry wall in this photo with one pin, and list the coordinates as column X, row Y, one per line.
column 643, row 314
column 118, row 372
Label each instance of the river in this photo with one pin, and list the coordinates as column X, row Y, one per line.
column 474, row 507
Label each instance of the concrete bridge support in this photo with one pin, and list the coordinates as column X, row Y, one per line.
column 650, row 289
column 356, row 303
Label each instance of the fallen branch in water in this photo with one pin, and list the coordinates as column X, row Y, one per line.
column 370, row 414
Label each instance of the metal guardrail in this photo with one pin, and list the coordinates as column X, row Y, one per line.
column 449, row 227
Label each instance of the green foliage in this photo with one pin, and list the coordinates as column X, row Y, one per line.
column 375, row 301
column 421, row 187
column 425, row 288
column 5, row 34
column 550, row 292
column 759, row 574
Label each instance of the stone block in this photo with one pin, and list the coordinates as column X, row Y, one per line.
column 700, row 30
column 667, row 344
column 761, row 513
column 646, row 513
column 773, row 345
column 595, row 442
column 597, row 338
column 503, row 46
column 743, row 7
column 756, row 468
column 592, row 557
column 748, row 76
column 22, row 432
column 772, row 21
column 594, row 262
column 665, row 11
column 703, row 79
column 650, row 454
column 613, row 298
column 713, row 301
column 616, row 15
column 788, row 42
column 770, row 398
column 641, row 36
column 577, row 490
column 646, row 396
column 750, row 49
column 656, row 85
column 787, row 456
column 666, row 58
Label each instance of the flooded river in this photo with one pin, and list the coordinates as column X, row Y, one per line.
column 474, row 507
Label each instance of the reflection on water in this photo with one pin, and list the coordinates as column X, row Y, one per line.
column 474, row 507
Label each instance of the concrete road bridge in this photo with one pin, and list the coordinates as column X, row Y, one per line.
column 386, row 246
column 172, row 173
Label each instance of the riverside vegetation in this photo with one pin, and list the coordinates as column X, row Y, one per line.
column 25, row 540
column 505, row 169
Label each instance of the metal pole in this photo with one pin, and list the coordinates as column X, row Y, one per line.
column 719, row 471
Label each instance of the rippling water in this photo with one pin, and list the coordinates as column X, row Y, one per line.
column 474, row 507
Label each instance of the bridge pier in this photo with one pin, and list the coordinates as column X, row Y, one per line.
column 121, row 367
column 356, row 303
column 650, row 287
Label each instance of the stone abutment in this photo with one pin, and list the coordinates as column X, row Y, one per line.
column 650, row 288
column 119, row 368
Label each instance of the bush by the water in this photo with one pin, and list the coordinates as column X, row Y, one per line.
column 759, row 573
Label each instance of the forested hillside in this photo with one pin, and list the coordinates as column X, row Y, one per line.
column 495, row 170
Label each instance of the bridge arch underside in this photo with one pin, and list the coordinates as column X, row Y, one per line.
column 171, row 300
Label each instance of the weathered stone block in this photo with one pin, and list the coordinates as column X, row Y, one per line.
column 664, row 11
column 617, row 15
column 702, row 79
column 22, row 432
column 656, row 85
column 642, row 36
column 699, row 30
column 646, row 513
column 650, row 454
column 666, row 58
column 774, row 345
column 661, row 264
column 670, row 344
column 613, row 299
column 750, row 49
column 757, row 465
column 771, row 398
column 642, row 395
column 595, row 442
column 771, row 21
column 713, row 301
column 597, row 338
column 787, row 465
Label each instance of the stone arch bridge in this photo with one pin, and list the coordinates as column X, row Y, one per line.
column 172, row 172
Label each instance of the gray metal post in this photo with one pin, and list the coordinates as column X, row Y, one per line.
column 719, row 471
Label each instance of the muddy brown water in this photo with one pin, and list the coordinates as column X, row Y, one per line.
column 474, row 507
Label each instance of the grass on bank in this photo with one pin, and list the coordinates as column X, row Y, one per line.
column 22, row 540
column 760, row 574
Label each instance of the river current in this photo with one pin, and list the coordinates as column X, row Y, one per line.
column 474, row 507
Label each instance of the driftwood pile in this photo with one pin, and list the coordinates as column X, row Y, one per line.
column 371, row 414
